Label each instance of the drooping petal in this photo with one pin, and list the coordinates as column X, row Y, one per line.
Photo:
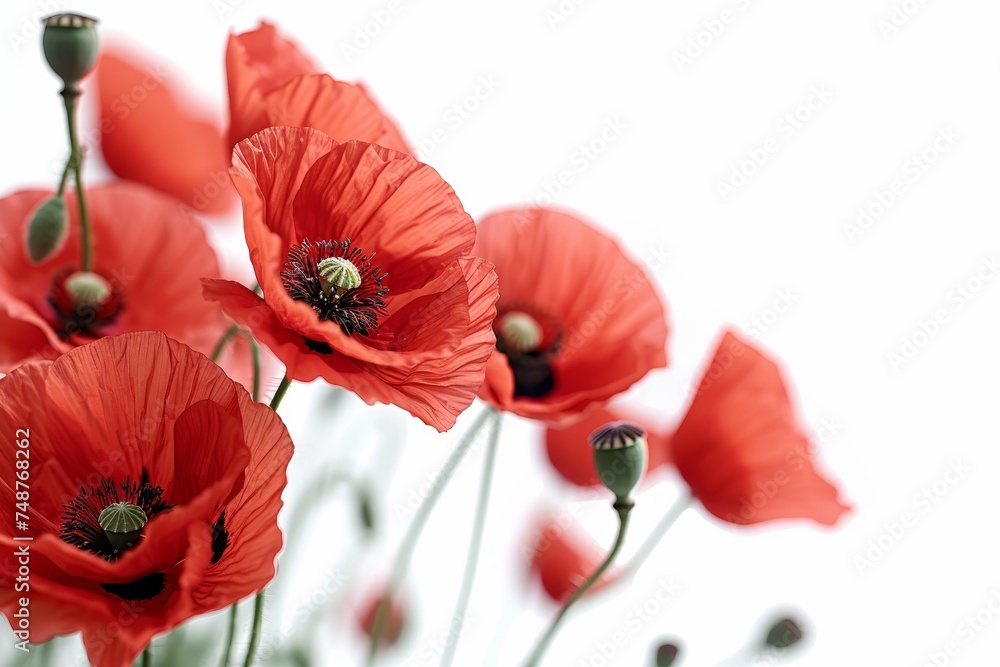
column 740, row 447
column 155, row 132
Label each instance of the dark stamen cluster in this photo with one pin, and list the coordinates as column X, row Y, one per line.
column 81, row 527
column 355, row 310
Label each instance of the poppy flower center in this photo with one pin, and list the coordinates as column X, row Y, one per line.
column 83, row 302
column 530, row 340
column 108, row 518
column 338, row 282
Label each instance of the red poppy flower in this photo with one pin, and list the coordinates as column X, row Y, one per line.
column 272, row 83
column 578, row 321
column 362, row 254
column 156, row 131
column 155, row 484
column 740, row 447
column 563, row 558
column 149, row 258
column 572, row 456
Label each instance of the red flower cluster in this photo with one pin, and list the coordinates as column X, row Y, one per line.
column 143, row 423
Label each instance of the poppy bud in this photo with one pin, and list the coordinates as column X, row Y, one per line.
column 69, row 42
column 666, row 654
column 619, row 456
column 47, row 229
column 392, row 626
column 785, row 633
column 122, row 523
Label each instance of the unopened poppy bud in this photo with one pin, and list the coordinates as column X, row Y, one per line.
column 619, row 456
column 70, row 45
column 392, row 624
column 46, row 229
column 87, row 290
column 337, row 273
column 784, row 634
column 666, row 654
column 520, row 331
column 122, row 523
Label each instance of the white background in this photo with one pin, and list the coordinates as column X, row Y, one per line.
column 893, row 429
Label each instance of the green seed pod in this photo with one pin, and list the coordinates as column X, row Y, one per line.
column 619, row 456
column 47, row 229
column 339, row 274
column 123, row 523
column 785, row 633
column 69, row 42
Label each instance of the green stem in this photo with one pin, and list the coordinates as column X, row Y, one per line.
column 279, row 393
column 475, row 545
column 221, row 345
column 631, row 569
column 70, row 97
column 230, row 634
column 147, row 658
column 258, row 617
column 255, row 364
column 624, row 509
column 65, row 174
column 409, row 542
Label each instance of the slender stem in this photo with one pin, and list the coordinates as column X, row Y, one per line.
column 65, row 174
column 631, row 569
column 221, row 345
column 475, row 545
column 230, row 634
column 70, row 97
column 280, row 393
column 147, row 658
column 255, row 364
column 409, row 542
column 258, row 616
column 624, row 509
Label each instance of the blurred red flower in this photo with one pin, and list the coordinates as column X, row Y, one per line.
column 150, row 253
column 144, row 422
column 157, row 131
column 578, row 320
column 393, row 626
column 562, row 557
column 572, row 455
column 363, row 257
column 740, row 447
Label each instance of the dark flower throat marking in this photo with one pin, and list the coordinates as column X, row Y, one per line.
column 356, row 309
